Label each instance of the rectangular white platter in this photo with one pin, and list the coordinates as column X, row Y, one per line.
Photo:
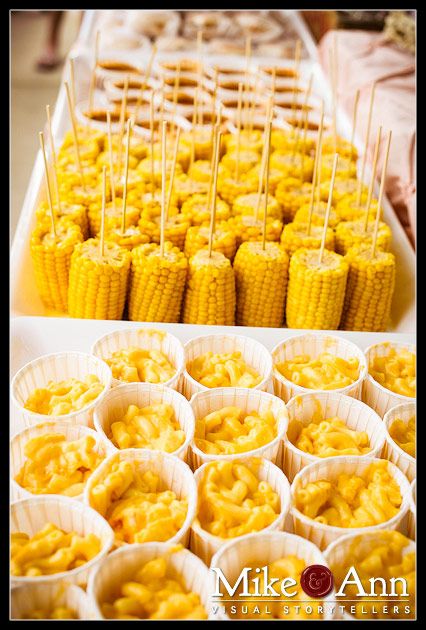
column 24, row 296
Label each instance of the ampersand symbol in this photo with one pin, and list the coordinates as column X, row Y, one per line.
column 317, row 580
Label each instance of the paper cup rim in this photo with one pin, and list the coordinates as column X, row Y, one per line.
column 343, row 539
column 257, row 452
column 385, row 390
column 386, row 425
column 363, row 367
column 189, row 436
column 78, row 506
column 315, row 458
column 260, row 345
column 60, row 355
column 340, row 531
column 166, row 333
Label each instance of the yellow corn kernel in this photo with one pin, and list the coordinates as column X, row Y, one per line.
column 292, row 194
column 299, row 166
column 371, row 282
column 144, row 169
column 210, row 293
column 349, row 210
column 345, row 168
column 349, row 233
column 261, row 280
column 197, row 209
column 246, row 205
column 229, row 188
column 175, row 229
column 343, row 147
column 130, row 238
column 76, row 214
column 316, row 290
column 295, row 235
column 51, row 258
column 342, row 186
column 247, row 228
column 249, row 139
column 98, row 284
column 224, row 241
column 156, row 283
column 184, row 187
column 113, row 216
column 318, row 215
column 275, row 177
column 200, row 171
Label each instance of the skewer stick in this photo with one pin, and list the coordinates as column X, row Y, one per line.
column 151, row 130
column 145, row 80
column 193, row 130
column 75, row 136
column 172, row 173
column 274, row 83
column 213, row 112
column 93, row 74
column 367, row 137
column 354, row 124
column 246, row 79
column 296, row 78
column 200, row 74
column 333, row 95
column 212, row 163
column 72, row 83
column 381, row 193
column 213, row 207
column 316, row 163
column 237, row 156
column 327, row 212
column 252, row 108
column 123, row 117
column 126, row 174
column 160, row 129
column 52, row 150
column 111, row 161
column 373, row 178
column 268, row 119
column 163, row 187
column 265, row 211
column 303, row 116
column 175, row 92
column 102, row 242
column 46, row 176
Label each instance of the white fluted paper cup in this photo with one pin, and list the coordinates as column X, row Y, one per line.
column 263, row 548
column 122, row 564
column 31, row 515
column 394, row 453
column 330, row 468
column 145, row 339
column 205, row 545
column 336, row 553
column 71, row 432
column 59, row 366
column 314, row 344
column 45, row 597
column 375, row 395
column 411, row 525
column 174, row 475
column 248, row 400
column 252, row 352
column 356, row 415
column 116, row 403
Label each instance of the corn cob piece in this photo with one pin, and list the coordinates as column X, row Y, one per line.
column 89, row 151
column 138, row 148
column 74, row 193
column 342, row 188
column 84, row 134
column 98, row 284
column 152, row 209
column 318, row 215
column 275, row 177
column 249, row 139
column 345, row 167
column 69, row 171
column 292, row 166
column 210, row 293
column 247, row 159
column 229, row 188
column 202, row 144
column 294, row 236
column 75, row 213
column 175, row 229
column 198, row 211
column 134, row 182
column 292, row 194
column 261, row 280
column 131, row 238
column 183, row 154
column 144, row 169
column 343, row 147
column 224, row 241
column 200, row 171
column 350, row 233
column 350, row 211
column 247, row 228
column 284, row 141
column 246, row 205
column 113, row 216
column 371, row 283
column 51, row 256
column 184, row 187
column 316, row 291
column 157, row 283
column 103, row 159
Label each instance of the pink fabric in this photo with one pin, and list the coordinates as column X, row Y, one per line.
column 362, row 58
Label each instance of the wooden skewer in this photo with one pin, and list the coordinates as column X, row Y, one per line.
column 212, row 163
column 123, row 117
column 126, row 174
column 268, row 120
column 333, row 95
column 265, row 211
column 274, row 83
column 52, row 150
column 252, row 108
column 199, row 117
column 373, row 178
column 175, row 92
column 318, row 185
column 111, row 160
column 145, row 80
column 213, row 112
column 151, row 129
column 296, row 78
column 213, row 207
column 367, row 137
column 72, row 83
column 316, row 166
column 163, row 187
column 381, row 193
column 172, row 173
column 237, row 156
column 160, row 129
column 327, row 212
column 193, row 130
column 354, row 125
column 46, row 176
column 74, row 129
column 246, row 79
column 303, row 116
column 93, row 74
column 102, row 242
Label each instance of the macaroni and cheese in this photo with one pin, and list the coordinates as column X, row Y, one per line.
column 136, row 507
column 154, row 426
column 58, row 399
column 154, row 593
column 223, row 370
column 396, row 371
column 404, row 434
column 54, row 465
column 135, row 365
column 58, row 612
column 233, row 501
column 324, row 372
column 231, row 430
column 352, row 501
column 327, row 438
column 51, row 550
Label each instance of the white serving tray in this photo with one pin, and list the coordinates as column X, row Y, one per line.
column 24, row 296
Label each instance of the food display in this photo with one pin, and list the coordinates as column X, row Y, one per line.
column 223, row 370
column 396, row 371
column 324, row 372
column 58, row 399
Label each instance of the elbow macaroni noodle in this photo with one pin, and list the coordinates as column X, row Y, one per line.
column 396, row 371
column 327, row 438
column 141, row 366
column 404, row 434
column 322, row 373
column 58, row 399
column 223, row 370
column 59, row 612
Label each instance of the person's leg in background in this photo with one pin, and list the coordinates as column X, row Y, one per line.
column 50, row 57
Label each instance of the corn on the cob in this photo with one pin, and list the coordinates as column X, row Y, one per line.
column 316, row 291
column 345, row 168
column 247, row 159
column 210, row 293
column 132, row 237
column 73, row 193
column 343, row 147
column 246, row 205
column 144, row 169
column 84, row 134
column 200, row 171
column 197, row 237
column 157, row 283
column 113, row 215
column 285, row 141
column 350, row 233
column 342, row 188
column 184, row 187
column 371, row 282
column 198, row 211
column 152, row 209
column 134, row 182
column 175, row 229
column 138, row 148
column 229, row 188
column 98, row 284
column 103, row 159
column 89, row 151
column 275, row 177
column 292, row 194
column 261, row 280
column 69, row 171
column 51, row 256
column 183, row 154
column 298, row 166
column 294, row 236
column 202, row 144
column 249, row 139
column 247, row 228
column 75, row 213
column 350, row 211
column 318, row 215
